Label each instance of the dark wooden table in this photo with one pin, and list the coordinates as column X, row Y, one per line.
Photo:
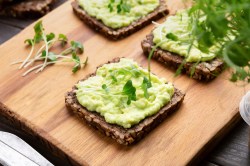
column 231, row 151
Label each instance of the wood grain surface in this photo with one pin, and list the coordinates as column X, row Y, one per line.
column 36, row 102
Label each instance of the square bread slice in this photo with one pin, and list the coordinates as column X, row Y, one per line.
column 26, row 9
column 122, row 135
column 204, row 71
column 116, row 34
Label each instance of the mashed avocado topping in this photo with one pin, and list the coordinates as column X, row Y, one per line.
column 174, row 36
column 101, row 93
column 100, row 10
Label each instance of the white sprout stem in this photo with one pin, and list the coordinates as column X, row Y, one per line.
column 65, row 51
column 20, row 61
column 48, row 43
column 38, row 57
column 156, row 23
column 28, row 57
column 63, row 56
column 47, row 52
column 16, row 62
column 31, row 69
column 38, row 67
column 48, row 63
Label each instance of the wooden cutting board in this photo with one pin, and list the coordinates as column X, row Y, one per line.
column 35, row 103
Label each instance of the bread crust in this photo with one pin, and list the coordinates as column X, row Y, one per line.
column 122, row 135
column 26, row 9
column 204, row 71
column 123, row 32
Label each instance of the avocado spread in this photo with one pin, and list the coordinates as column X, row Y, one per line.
column 101, row 11
column 113, row 105
column 174, row 36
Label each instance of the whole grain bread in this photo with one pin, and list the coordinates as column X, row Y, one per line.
column 26, row 9
column 124, row 31
column 122, row 135
column 204, row 71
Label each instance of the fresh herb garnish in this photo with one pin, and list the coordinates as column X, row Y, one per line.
column 104, row 86
column 151, row 53
column 129, row 90
column 44, row 54
column 121, row 6
column 145, row 85
column 227, row 24
column 172, row 36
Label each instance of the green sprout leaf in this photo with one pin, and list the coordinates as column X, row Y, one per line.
column 63, row 39
column 77, row 46
column 50, row 36
column 172, row 36
column 129, row 90
column 29, row 42
column 125, row 7
column 77, row 61
column 113, row 77
column 226, row 24
column 52, row 56
column 110, row 5
column 38, row 38
column 135, row 72
column 120, row 7
column 104, row 87
column 44, row 54
column 146, row 84
column 38, row 27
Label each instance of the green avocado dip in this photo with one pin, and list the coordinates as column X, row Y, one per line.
column 111, row 104
column 101, row 11
column 174, row 36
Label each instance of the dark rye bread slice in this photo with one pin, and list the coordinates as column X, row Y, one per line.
column 27, row 8
column 116, row 34
column 204, row 71
column 122, row 135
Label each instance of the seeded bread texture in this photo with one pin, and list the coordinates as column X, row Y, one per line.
column 204, row 71
column 116, row 34
column 122, row 135
column 26, row 9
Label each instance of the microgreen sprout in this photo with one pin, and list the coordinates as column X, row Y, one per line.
column 46, row 56
column 128, row 90
column 224, row 19
column 121, row 6
column 145, row 85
